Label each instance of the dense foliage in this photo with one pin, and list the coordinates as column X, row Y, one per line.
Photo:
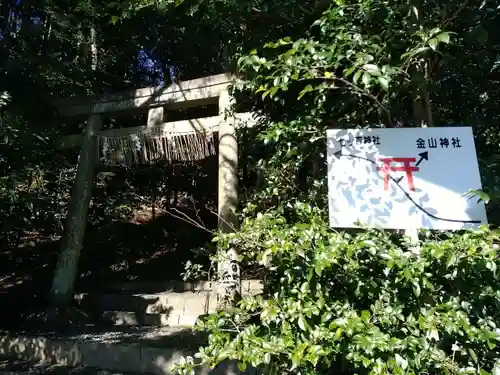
column 373, row 63
column 365, row 302
column 362, row 303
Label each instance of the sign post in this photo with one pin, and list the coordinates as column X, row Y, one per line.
column 403, row 178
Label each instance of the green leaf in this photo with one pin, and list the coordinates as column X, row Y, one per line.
column 306, row 89
column 356, row 76
column 242, row 366
column 407, row 273
column 433, row 334
column 473, row 355
column 267, row 358
column 297, row 355
column 260, row 89
column 339, row 333
column 349, row 71
column 433, row 43
column 477, row 193
column 444, row 37
column 401, row 362
column 319, row 267
column 326, row 317
column 366, row 78
column 269, row 312
column 365, row 315
column 390, row 263
column 304, row 287
column 271, row 92
column 415, row 52
column 302, row 323
column 415, row 11
column 384, row 83
column 373, row 69
column 452, row 259
column 416, row 288
column 492, row 266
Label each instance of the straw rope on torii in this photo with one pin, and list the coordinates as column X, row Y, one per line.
column 156, row 143
column 147, row 147
column 186, row 140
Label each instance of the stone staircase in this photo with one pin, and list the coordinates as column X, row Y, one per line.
column 136, row 328
column 169, row 304
column 20, row 367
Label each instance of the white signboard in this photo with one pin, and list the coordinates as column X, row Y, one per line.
column 403, row 178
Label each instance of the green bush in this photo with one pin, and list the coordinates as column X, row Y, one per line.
column 361, row 303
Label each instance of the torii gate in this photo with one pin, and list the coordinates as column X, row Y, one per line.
column 192, row 93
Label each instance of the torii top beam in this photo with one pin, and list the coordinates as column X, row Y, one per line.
column 183, row 94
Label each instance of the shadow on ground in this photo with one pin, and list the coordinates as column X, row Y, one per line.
column 122, row 352
column 135, row 233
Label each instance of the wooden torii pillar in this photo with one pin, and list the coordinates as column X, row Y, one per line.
column 180, row 95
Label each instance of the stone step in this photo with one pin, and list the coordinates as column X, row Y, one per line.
column 166, row 308
column 12, row 366
column 124, row 307
column 131, row 318
column 247, row 287
column 145, row 351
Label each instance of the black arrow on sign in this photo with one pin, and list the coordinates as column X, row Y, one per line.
column 423, row 156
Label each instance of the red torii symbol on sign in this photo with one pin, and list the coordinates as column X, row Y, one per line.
column 406, row 167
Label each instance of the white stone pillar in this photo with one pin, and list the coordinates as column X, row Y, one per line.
column 229, row 272
column 66, row 271
column 155, row 116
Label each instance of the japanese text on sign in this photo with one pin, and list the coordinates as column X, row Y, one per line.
column 435, row 142
column 365, row 140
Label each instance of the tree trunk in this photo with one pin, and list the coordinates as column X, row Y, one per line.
column 76, row 220
column 422, row 117
column 422, row 110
